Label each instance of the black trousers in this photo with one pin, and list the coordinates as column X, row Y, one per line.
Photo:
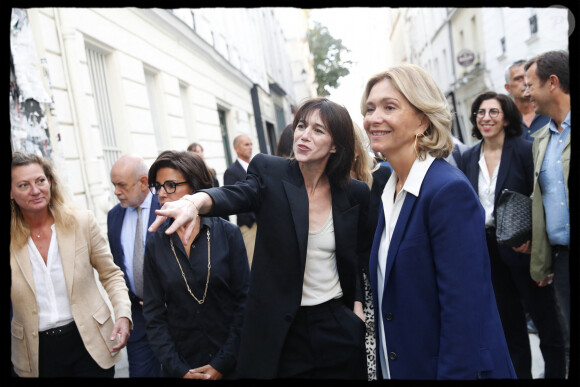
column 515, row 292
column 325, row 341
column 63, row 354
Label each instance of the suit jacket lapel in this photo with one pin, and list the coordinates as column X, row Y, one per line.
column 473, row 173
column 504, row 165
column 67, row 247
column 398, row 233
column 343, row 215
column 298, row 202
column 23, row 261
column 374, row 257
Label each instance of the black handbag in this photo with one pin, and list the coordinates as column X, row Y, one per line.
column 513, row 218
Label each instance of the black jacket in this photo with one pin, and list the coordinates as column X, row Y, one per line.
column 275, row 190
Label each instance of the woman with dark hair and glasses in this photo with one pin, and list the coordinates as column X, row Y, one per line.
column 304, row 315
column 503, row 160
column 195, row 293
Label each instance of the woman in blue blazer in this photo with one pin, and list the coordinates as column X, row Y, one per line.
column 435, row 310
column 503, row 160
column 304, row 313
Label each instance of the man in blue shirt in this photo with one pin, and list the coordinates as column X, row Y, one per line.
column 515, row 84
column 548, row 86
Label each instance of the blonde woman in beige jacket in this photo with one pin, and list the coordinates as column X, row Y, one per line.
column 61, row 326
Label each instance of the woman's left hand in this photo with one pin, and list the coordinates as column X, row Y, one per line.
column 358, row 310
column 122, row 328
column 206, row 372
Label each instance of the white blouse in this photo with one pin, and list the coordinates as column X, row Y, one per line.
column 486, row 188
column 321, row 281
column 50, row 286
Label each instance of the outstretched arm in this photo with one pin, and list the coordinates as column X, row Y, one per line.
column 184, row 211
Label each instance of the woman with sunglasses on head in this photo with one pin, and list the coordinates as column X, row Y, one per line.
column 304, row 315
column 503, row 160
column 435, row 312
column 195, row 293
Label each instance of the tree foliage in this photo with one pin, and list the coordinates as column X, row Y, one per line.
column 326, row 52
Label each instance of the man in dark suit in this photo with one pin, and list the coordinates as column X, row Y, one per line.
column 127, row 222
column 237, row 172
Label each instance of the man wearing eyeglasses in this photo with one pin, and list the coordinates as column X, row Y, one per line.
column 127, row 225
column 515, row 85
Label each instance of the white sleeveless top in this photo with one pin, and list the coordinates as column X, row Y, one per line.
column 321, row 281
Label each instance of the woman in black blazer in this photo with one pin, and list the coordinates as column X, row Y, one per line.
column 304, row 315
column 503, row 160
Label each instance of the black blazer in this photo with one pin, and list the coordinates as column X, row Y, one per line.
column 516, row 173
column 275, row 190
column 233, row 174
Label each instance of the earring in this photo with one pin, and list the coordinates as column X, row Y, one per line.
column 415, row 145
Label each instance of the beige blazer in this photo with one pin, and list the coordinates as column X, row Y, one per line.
column 83, row 249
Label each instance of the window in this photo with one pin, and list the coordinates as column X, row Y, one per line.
column 225, row 137
column 154, row 103
column 502, row 42
column 98, row 76
column 186, row 106
column 533, row 24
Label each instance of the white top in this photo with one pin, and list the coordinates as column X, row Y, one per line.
column 392, row 208
column 50, row 286
column 128, row 234
column 244, row 164
column 321, row 281
column 486, row 188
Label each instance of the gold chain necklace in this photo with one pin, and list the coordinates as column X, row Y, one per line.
column 208, row 270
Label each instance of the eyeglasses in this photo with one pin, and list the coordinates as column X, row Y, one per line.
column 493, row 113
column 169, row 187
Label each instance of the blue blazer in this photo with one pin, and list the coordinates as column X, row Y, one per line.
column 516, row 173
column 439, row 311
column 114, row 224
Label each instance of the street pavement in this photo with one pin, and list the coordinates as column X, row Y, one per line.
column 122, row 367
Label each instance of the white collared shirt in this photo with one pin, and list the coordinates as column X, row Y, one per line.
column 486, row 188
column 243, row 164
column 392, row 208
column 128, row 234
column 50, row 285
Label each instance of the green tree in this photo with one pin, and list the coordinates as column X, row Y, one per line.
column 326, row 52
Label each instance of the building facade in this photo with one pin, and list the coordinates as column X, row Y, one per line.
column 467, row 50
column 91, row 84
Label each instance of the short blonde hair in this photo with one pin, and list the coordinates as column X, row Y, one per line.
column 423, row 93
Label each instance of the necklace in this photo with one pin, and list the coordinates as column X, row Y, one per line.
column 208, row 270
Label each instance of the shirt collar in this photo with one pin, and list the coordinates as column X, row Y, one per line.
column 243, row 164
column 417, row 174
column 146, row 203
column 565, row 124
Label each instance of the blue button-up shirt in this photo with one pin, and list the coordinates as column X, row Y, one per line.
column 553, row 186
column 538, row 122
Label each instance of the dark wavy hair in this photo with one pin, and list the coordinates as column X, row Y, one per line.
column 189, row 164
column 511, row 114
column 339, row 123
